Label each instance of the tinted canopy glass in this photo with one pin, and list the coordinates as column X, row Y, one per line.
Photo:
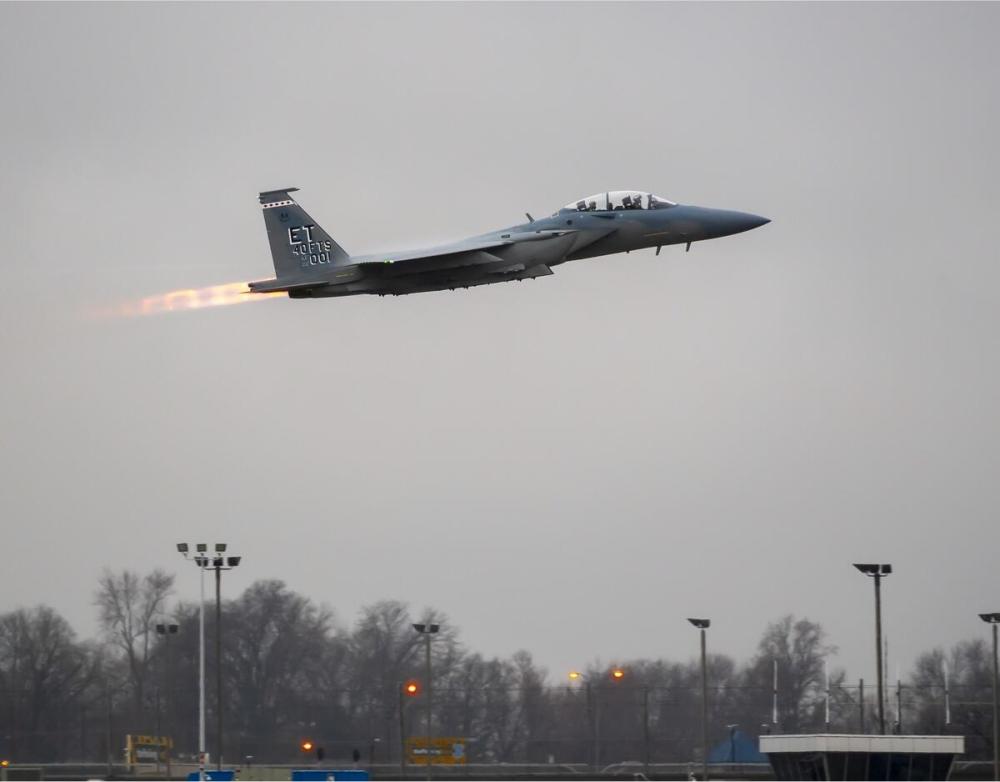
column 619, row 200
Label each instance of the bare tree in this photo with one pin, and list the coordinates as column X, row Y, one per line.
column 276, row 643
column 970, row 674
column 799, row 647
column 45, row 675
column 129, row 605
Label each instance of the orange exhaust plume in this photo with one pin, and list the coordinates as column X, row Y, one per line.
column 194, row 299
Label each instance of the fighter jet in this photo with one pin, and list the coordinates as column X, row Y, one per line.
column 308, row 263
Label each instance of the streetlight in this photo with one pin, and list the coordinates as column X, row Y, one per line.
column 427, row 630
column 994, row 619
column 702, row 625
column 201, row 560
column 593, row 707
column 218, row 567
column 878, row 572
column 409, row 689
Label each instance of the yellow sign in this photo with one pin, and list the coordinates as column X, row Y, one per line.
column 443, row 752
column 148, row 749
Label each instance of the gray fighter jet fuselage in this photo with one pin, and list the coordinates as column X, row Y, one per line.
column 308, row 263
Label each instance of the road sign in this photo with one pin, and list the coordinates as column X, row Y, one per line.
column 147, row 749
column 443, row 751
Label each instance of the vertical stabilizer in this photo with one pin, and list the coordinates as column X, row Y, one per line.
column 300, row 247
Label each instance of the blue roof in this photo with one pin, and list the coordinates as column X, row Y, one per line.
column 744, row 748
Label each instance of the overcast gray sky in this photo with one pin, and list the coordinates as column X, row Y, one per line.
column 571, row 465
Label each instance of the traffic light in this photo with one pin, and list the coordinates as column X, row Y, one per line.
column 412, row 688
column 306, row 745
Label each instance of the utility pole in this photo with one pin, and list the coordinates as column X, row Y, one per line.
column 861, row 706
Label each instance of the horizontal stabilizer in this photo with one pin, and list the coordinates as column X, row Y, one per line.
column 271, row 286
column 277, row 195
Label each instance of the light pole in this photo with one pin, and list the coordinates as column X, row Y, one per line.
column 591, row 714
column 645, row 729
column 593, row 707
column 994, row 619
column 166, row 631
column 201, row 560
column 878, row 572
column 702, row 625
column 427, row 630
column 218, row 567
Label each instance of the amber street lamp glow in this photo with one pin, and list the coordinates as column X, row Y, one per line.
column 574, row 675
column 618, row 673
column 307, row 746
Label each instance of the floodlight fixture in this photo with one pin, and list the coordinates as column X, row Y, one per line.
column 701, row 624
column 182, row 548
column 874, row 569
column 201, row 547
column 220, row 547
column 233, row 561
column 990, row 618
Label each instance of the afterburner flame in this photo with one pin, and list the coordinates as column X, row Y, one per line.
column 194, row 299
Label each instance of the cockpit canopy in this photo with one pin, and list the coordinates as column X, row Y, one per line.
column 619, row 199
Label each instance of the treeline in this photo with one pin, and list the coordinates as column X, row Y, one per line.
column 289, row 674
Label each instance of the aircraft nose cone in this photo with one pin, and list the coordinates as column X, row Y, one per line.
column 728, row 223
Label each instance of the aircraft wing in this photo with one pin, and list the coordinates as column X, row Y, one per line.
column 436, row 252
column 471, row 252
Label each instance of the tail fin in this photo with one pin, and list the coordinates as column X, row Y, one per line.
column 299, row 247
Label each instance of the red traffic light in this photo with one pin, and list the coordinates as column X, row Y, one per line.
column 412, row 688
